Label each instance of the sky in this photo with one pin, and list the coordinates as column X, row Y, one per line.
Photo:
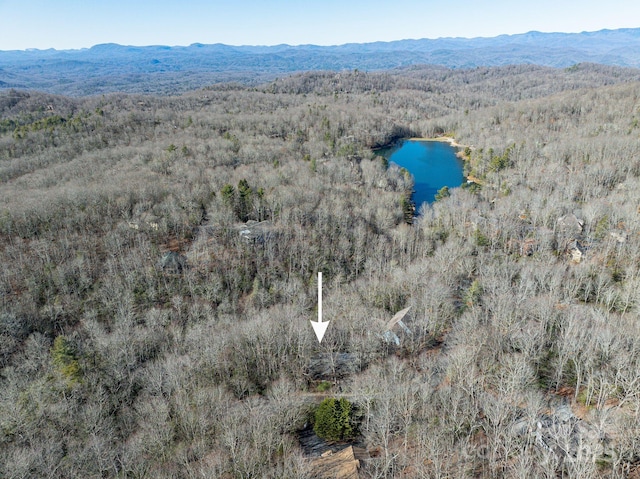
column 72, row 24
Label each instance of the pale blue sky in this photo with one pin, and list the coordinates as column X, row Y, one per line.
column 66, row 24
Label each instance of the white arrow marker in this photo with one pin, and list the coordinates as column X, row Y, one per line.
column 318, row 326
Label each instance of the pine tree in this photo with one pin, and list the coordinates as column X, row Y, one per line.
column 334, row 419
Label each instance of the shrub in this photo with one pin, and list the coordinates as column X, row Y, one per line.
column 473, row 294
column 323, row 386
column 65, row 360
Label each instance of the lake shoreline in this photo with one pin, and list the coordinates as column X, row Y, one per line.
column 444, row 139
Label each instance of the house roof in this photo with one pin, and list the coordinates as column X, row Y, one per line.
column 255, row 231
column 399, row 316
column 571, row 222
column 338, row 465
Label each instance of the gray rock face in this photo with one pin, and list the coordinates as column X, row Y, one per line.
column 563, row 433
column 337, row 365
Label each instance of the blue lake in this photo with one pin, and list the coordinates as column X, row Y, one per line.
column 433, row 164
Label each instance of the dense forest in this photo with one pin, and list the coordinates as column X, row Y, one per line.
column 160, row 258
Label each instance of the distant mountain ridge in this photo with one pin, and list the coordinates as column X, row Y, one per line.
column 164, row 69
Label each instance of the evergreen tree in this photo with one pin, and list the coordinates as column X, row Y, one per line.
column 442, row 193
column 334, row 419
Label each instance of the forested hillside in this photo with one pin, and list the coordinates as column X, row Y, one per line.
column 160, row 69
column 160, row 256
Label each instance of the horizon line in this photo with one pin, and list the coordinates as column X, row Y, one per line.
column 82, row 49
